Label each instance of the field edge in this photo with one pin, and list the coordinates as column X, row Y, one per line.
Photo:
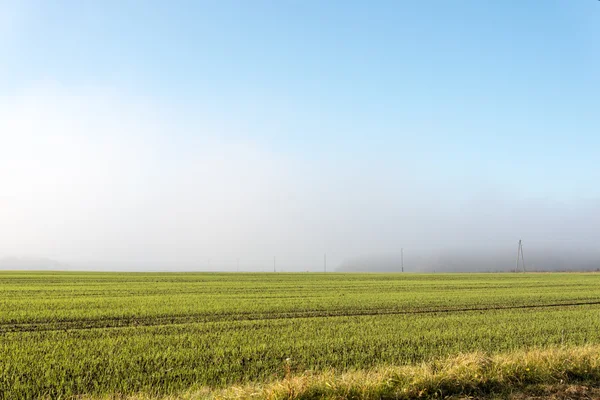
column 568, row 372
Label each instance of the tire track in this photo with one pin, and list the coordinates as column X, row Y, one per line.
column 103, row 323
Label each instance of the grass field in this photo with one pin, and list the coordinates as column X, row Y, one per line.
column 97, row 334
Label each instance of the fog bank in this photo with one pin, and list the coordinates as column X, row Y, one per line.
column 99, row 179
column 560, row 257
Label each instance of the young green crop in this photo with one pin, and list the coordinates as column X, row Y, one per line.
column 65, row 334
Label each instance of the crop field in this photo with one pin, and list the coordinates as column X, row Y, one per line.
column 66, row 334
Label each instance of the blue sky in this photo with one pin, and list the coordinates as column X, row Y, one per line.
column 472, row 99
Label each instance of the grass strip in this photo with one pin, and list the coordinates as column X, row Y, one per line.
column 524, row 374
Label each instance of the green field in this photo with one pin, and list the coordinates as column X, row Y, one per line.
column 65, row 334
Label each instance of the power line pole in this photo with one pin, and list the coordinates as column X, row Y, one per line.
column 402, row 258
column 325, row 262
column 520, row 256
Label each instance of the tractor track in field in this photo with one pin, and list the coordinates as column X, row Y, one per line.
column 103, row 323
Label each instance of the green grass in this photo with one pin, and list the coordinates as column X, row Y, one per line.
column 464, row 376
column 67, row 334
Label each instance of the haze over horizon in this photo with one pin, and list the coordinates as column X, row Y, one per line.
column 188, row 135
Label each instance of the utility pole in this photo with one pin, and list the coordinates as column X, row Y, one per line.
column 325, row 262
column 520, row 256
column 273, row 263
column 402, row 258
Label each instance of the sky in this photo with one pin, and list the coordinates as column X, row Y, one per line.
column 188, row 135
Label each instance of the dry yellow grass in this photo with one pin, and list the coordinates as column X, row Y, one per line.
column 469, row 375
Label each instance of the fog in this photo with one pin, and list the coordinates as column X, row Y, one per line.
column 538, row 257
column 253, row 137
column 97, row 178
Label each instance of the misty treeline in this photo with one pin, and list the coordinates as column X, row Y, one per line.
column 538, row 257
